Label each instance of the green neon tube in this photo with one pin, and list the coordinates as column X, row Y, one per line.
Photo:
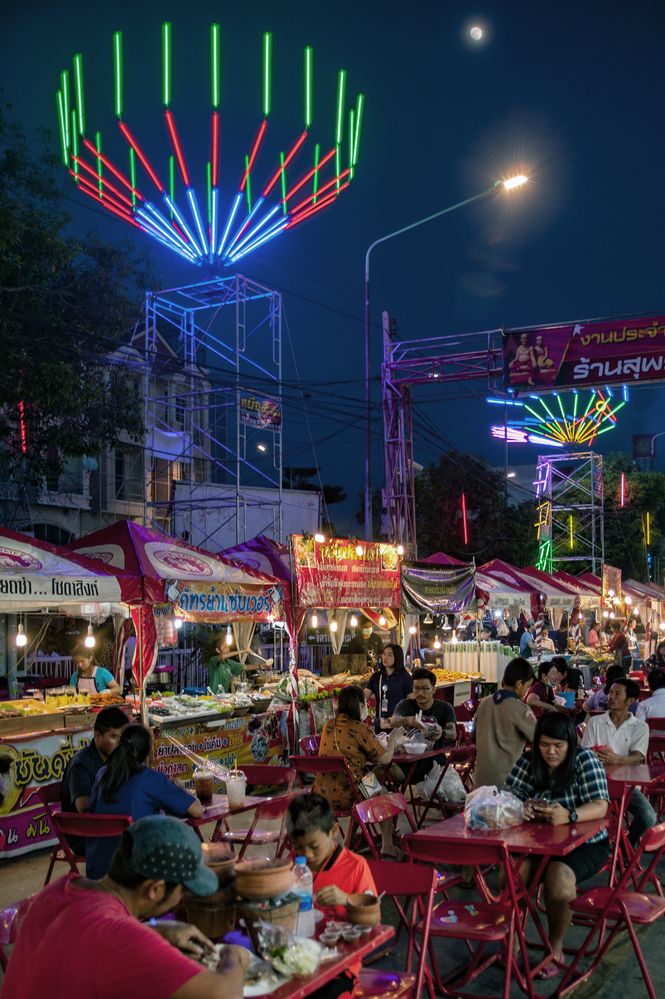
column 359, row 117
column 98, row 144
column 338, row 163
column 267, row 70
column 75, row 145
column 132, row 173
column 352, row 129
column 78, row 78
column 117, row 72
column 283, row 180
column 61, row 123
column 249, row 185
column 308, row 85
column 341, row 87
column 315, row 178
column 166, row 63
column 209, row 186
column 214, row 63
column 64, row 86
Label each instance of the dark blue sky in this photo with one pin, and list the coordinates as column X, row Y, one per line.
column 570, row 93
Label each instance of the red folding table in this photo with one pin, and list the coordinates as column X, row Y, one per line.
column 218, row 810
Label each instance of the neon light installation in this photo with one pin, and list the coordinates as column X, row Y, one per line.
column 263, row 204
column 565, row 421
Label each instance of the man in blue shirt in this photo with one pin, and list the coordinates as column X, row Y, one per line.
column 527, row 641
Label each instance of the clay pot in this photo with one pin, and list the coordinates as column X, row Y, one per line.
column 263, row 878
column 363, row 910
column 285, row 915
column 220, row 858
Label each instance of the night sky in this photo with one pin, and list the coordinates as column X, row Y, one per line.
column 571, row 94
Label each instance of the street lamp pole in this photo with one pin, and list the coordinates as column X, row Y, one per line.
column 495, row 188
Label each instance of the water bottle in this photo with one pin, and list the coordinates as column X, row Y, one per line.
column 303, row 887
column 384, row 701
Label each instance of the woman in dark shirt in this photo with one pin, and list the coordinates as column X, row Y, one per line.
column 540, row 697
column 390, row 685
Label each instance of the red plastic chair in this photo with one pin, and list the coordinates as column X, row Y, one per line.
column 412, row 888
column 89, row 827
column 309, row 745
column 483, row 924
column 370, row 813
column 9, row 924
column 328, row 765
column 264, row 775
column 50, row 796
column 463, row 735
column 619, row 908
column 255, row 834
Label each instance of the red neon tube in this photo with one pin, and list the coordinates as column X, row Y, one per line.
column 214, row 153
column 105, row 183
column 142, row 157
column 107, row 200
column 308, row 176
column 114, row 170
column 464, row 524
column 322, row 190
column 306, row 213
column 252, row 156
column 22, row 427
column 177, row 148
column 94, row 193
column 287, row 159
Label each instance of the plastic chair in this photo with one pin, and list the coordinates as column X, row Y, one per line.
column 416, row 884
column 481, row 923
column 50, row 795
column 10, row 918
column 309, row 745
column 370, row 813
column 463, row 734
column 619, row 908
column 254, row 834
column 89, row 827
column 328, row 765
column 264, row 775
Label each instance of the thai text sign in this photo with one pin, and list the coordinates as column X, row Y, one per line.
column 263, row 414
column 611, row 583
column 226, row 601
column 606, row 352
column 436, row 588
column 343, row 573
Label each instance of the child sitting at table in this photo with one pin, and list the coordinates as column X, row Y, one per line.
column 337, row 872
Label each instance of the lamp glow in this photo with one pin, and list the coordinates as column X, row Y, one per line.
column 177, row 623
column 629, row 601
column 229, row 635
column 354, row 621
column 90, row 641
column 360, row 551
column 319, row 538
column 333, row 626
column 412, row 629
column 512, row 182
column 382, row 621
column 437, row 643
column 21, row 637
column 400, row 549
column 314, row 620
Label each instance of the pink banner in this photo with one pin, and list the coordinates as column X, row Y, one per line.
column 345, row 573
column 579, row 355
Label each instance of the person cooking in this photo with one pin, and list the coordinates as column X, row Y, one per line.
column 221, row 668
column 89, row 678
column 366, row 643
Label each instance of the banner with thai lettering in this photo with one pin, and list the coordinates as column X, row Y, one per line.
column 226, row 601
column 260, row 413
column 437, row 589
column 237, row 741
column 341, row 573
column 579, row 355
column 27, row 763
column 611, row 583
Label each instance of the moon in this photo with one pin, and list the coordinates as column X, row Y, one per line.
column 476, row 33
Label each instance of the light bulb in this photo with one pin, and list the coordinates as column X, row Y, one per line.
column 177, row 623
column 382, row 621
column 661, row 626
column 412, row 629
column 319, row 538
column 612, row 615
column 333, row 626
column 314, row 620
column 629, row 600
column 360, row 551
column 610, row 593
column 636, row 612
column 606, row 613
column 454, row 638
column 21, row 637
column 89, row 641
column 229, row 635
column 446, row 626
column 354, row 621
column 437, row 643
column 400, row 549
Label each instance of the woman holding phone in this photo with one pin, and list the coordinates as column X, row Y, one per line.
column 562, row 784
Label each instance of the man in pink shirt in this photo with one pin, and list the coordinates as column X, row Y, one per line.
column 86, row 938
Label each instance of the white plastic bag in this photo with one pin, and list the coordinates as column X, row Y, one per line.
column 489, row 808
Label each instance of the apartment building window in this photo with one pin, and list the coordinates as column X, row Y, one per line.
column 128, row 473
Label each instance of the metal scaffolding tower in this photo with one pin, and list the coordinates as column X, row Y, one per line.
column 216, row 440
column 570, row 520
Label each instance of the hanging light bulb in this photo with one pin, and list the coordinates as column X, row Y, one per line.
column 606, row 613
column 629, row 600
column 428, row 619
column 314, row 620
column 612, row 615
column 437, row 643
column 412, row 629
column 354, row 621
column 21, row 637
column 319, row 538
column 446, row 625
column 610, row 593
column 636, row 612
column 360, row 551
column 177, row 623
column 90, row 641
column 382, row 621
column 229, row 635
column 333, row 626
column 454, row 638
column 661, row 626
column 400, row 549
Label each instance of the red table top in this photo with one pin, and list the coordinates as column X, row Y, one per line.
column 220, row 807
column 643, row 773
column 537, row 838
column 348, row 954
column 409, row 758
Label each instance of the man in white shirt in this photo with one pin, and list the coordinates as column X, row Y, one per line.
column 654, row 706
column 620, row 739
column 546, row 643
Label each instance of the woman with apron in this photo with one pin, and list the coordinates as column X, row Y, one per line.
column 91, row 679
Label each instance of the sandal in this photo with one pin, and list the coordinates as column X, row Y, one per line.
column 550, row 970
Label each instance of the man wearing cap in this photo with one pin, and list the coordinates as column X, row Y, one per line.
column 366, row 643
column 87, row 938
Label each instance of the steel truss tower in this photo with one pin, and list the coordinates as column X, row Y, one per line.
column 224, row 338
column 570, row 521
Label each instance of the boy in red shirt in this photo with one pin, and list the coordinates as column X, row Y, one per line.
column 337, row 872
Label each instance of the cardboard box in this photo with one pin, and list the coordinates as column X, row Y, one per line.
column 344, row 662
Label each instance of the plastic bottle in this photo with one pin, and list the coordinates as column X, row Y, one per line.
column 303, row 887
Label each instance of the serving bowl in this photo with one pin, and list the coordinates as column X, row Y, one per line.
column 363, row 910
column 263, row 878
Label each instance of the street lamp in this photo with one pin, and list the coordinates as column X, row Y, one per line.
column 508, row 184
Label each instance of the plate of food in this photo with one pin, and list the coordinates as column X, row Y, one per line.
column 260, row 978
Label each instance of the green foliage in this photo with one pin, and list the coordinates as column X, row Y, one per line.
column 65, row 305
column 625, row 526
column 495, row 529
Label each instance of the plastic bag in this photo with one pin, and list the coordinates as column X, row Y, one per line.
column 288, row 954
column 489, row 808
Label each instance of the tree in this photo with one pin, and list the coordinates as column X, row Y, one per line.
column 495, row 529
column 625, row 527
column 65, row 305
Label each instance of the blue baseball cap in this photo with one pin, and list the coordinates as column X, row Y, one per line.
column 168, row 849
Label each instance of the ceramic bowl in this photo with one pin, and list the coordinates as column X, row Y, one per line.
column 263, row 878
column 363, row 910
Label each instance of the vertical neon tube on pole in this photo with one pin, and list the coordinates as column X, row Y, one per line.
column 267, row 71
column 215, row 64
column 75, row 145
column 465, row 529
column 571, row 541
column 622, row 490
column 356, row 137
column 308, row 85
column 283, row 182
column 63, row 131
column 117, row 73
column 339, row 123
column 64, row 87
column 315, row 178
column 78, row 80
column 338, row 164
column 166, row 63
column 248, row 185
column 209, row 190
column 648, row 529
column 132, row 173
column 98, row 146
